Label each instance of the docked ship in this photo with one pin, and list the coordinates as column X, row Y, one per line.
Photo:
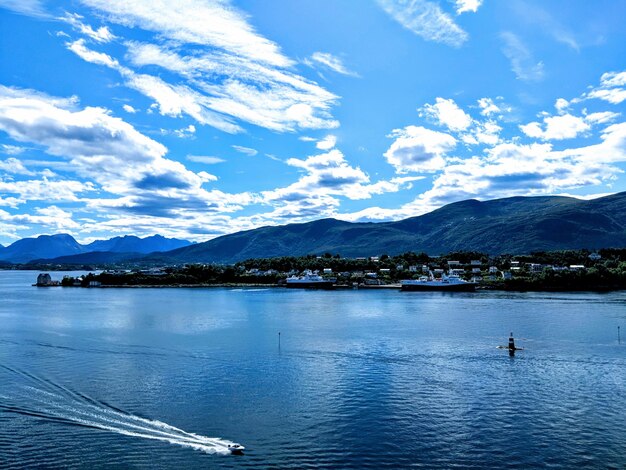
column 449, row 282
column 311, row 280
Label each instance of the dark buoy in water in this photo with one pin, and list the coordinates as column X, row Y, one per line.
column 619, row 339
column 511, row 345
column 279, row 340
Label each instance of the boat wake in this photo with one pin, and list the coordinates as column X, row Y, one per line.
column 54, row 402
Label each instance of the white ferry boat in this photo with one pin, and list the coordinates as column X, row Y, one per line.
column 449, row 282
column 311, row 280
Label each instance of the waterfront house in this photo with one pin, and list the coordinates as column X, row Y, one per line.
column 44, row 279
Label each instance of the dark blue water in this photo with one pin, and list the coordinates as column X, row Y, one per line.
column 165, row 378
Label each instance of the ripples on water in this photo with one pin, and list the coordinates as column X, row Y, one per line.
column 138, row 378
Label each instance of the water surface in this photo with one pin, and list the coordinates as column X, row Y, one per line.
column 167, row 378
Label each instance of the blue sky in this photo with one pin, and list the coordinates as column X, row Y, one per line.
column 196, row 118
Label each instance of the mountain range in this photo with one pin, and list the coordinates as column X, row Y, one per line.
column 515, row 225
column 46, row 247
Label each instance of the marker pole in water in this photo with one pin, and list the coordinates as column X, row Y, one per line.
column 619, row 339
column 279, row 340
column 511, row 345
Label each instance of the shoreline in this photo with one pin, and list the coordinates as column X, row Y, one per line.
column 387, row 287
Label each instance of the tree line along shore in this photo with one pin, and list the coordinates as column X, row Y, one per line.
column 572, row 270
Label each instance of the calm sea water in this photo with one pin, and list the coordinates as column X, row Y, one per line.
column 166, row 378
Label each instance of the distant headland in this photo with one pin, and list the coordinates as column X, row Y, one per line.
column 572, row 270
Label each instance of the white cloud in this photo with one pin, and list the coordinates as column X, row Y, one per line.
column 208, row 160
column 51, row 217
column 561, row 105
column 25, row 7
column 522, row 62
column 79, row 48
column 108, row 152
column 426, row 19
column 330, row 62
column 612, row 88
column 509, row 170
column 46, row 190
column 328, row 176
column 447, row 113
column 612, row 95
column 565, row 126
column 11, row 149
column 488, row 107
column 129, row 109
column 102, row 35
column 13, row 165
column 219, row 88
column 487, row 132
column 418, row 149
column 245, row 150
column 327, row 142
column 463, row 6
column 601, row 117
column 213, row 23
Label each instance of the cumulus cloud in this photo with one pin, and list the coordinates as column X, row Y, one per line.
column 499, row 164
column 51, row 217
column 447, row 113
column 488, row 107
column 13, row 165
column 108, row 152
column 129, row 109
column 11, row 149
column 418, row 149
column 327, row 178
column 464, row 6
column 565, row 126
column 426, row 19
column 522, row 61
column 327, row 142
column 561, row 105
column 612, row 88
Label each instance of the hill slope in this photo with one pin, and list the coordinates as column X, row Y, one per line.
column 511, row 225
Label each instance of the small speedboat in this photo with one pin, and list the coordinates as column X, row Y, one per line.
column 236, row 449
